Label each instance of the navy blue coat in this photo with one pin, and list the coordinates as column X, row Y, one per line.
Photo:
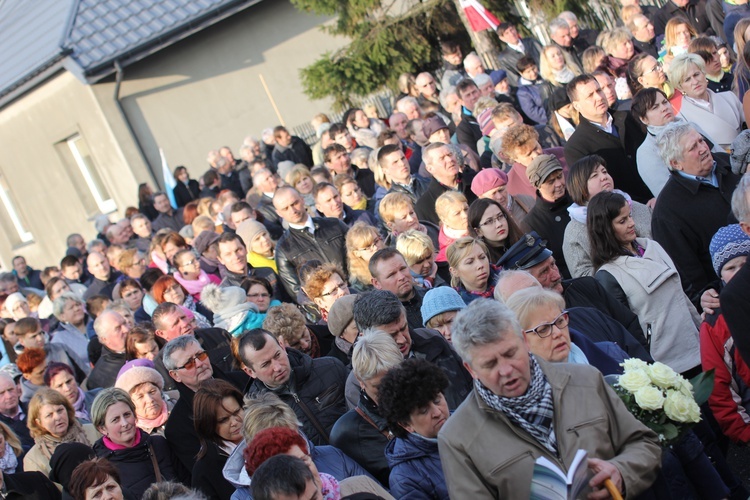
column 596, row 354
column 416, row 472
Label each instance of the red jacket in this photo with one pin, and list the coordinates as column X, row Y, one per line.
column 731, row 378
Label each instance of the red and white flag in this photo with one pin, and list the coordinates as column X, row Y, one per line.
column 480, row 19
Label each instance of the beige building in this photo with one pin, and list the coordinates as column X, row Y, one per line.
column 90, row 95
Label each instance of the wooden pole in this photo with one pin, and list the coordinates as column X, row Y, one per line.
column 483, row 41
column 270, row 98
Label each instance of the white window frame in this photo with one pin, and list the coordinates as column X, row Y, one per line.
column 5, row 197
column 105, row 206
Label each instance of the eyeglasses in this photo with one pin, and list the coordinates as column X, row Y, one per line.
column 337, row 288
column 375, row 244
column 493, row 220
column 545, row 329
column 201, row 356
column 658, row 67
column 258, row 296
column 173, row 289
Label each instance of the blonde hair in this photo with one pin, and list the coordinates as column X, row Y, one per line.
column 285, row 321
column 680, row 66
column 458, row 251
column 264, row 412
column 591, row 58
column 670, row 35
column 415, row 246
column 627, row 14
column 484, row 103
column 527, row 301
column 360, row 236
column 392, row 202
column 204, row 206
column 374, row 352
column 447, row 200
column 11, row 439
column 610, row 39
column 296, row 174
column 202, row 223
column 46, row 396
column 517, row 136
column 545, row 69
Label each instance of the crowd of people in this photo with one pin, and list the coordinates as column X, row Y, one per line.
column 418, row 305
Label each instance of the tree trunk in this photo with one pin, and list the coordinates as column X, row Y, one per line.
column 483, row 41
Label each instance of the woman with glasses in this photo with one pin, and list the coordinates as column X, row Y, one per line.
column 544, row 320
column 70, row 310
column 490, row 222
column 362, row 241
column 259, row 292
column 231, row 309
column 168, row 289
column 140, row 458
column 639, row 273
column 645, row 72
column 324, row 285
column 190, row 275
column 472, row 274
column 131, row 292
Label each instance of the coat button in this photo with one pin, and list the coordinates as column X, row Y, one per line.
column 558, row 218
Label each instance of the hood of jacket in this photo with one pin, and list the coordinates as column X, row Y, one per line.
column 412, row 447
column 234, row 470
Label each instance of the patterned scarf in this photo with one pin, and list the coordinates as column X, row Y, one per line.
column 48, row 443
column 533, row 412
column 80, row 407
column 9, row 461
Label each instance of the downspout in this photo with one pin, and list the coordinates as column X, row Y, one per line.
column 124, row 115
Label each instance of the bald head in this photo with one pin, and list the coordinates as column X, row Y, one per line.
column 290, row 206
column 509, row 282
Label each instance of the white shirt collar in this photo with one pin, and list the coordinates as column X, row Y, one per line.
column 308, row 224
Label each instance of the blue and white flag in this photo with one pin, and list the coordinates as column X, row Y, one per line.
column 169, row 182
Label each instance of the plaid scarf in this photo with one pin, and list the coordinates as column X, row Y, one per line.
column 532, row 412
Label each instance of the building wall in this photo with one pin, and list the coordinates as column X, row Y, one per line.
column 42, row 176
column 205, row 92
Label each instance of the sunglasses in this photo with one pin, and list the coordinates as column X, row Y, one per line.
column 190, row 364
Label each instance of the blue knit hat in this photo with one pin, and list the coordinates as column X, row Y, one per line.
column 728, row 242
column 439, row 300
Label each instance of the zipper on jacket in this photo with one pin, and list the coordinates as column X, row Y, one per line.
column 649, row 332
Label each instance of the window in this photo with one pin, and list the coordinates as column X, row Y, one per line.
column 17, row 221
column 79, row 149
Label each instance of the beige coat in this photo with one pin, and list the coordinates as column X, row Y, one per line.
column 36, row 460
column 484, row 456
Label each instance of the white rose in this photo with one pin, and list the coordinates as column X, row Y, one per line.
column 633, row 380
column 681, row 408
column 634, row 364
column 662, row 375
column 649, row 398
column 686, row 387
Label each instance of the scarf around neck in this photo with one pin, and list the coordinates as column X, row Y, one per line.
column 194, row 287
column 149, row 424
column 578, row 212
column 9, row 461
column 49, row 443
column 563, row 76
column 80, row 407
column 533, row 412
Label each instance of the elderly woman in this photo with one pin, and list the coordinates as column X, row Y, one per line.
column 168, row 289
column 490, row 222
column 190, row 275
column 411, row 400
column 17, row 306
column 94, row 479
column 492, row 183
column 52, row 421
column 141, row 459
column 342, row 326
column 507, row 420
column 324, row 285
column 287, row 324
column 550, row 216
column 439, row 308
column 720, row 114
column 231, row 308
column 586, row 178
column 362, row 241
column 145, row 386
column 398, row 215
column 60, row 377
column 521, row 146
column 639, row 273
column 472, row 274
column 453, row 211
column 218, row 415
column 70, row 310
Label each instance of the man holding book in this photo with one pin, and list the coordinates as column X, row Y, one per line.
column 523, row 409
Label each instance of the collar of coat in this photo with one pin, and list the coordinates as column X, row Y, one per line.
column 693, row 185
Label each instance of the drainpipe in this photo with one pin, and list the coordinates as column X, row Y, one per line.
column 133, row 135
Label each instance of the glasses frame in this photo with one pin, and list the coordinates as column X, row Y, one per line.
column 562, row 316
column 190, row 363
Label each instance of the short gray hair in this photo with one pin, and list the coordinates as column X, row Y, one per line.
column 680, row 65
column 8, row 278
column 740, row 200
column 401, row 104
column 374, row 352
column 177, row 344
column 669, row 141
column 566, row 15
column 447, row 91
column 525, row 302
column 376, row 308
column 509, row 281
column 482, row 79
column 483, row 322
column 556, row 24
column 106, row 398
column 58, row 305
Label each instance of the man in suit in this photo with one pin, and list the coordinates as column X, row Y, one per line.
column 515, row 48
column 692, row 10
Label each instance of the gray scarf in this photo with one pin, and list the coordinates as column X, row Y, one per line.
column 533, row 412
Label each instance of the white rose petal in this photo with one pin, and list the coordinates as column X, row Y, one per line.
column 663, row 376
column 632, row 380
column 681, row 408
column 649, row 398
column 634, row 364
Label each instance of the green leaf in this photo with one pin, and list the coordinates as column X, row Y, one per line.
column 703, row 385
column 670, row 431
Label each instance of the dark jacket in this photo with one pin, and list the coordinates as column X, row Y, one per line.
column 417, row 188
column 468, row 131
column 416, row 471
column 179, row 432
column 352, row 216
column 414, row 308
column 136, row 466
column 509, row 58
column 297, row 152
column 723, row 85
column 228, row 278
column 271, row 219
column 735, row 306
column 99, row 287
column 549, row 220
column 297, row 246
column 316, row 387
column 185, row 193
column 595, row 355
column 20, row 427
column 588, row 292
column 425, row 206
column 686, row 216
column 33, row 279
column 618, row 152
column 173, row 222
column 694, row 12
column 599, row 327
column 29, row 486
column 362, row 440
column 106, row 369
column 365, row 179
column 207, row 476
column 232, row 182
column 430, row 345
column 651, row 48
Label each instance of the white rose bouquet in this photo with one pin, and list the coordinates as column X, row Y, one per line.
column 661, row 399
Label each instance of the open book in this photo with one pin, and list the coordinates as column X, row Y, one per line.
column 550, row 483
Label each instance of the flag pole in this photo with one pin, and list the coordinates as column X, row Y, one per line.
column 270, row 98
